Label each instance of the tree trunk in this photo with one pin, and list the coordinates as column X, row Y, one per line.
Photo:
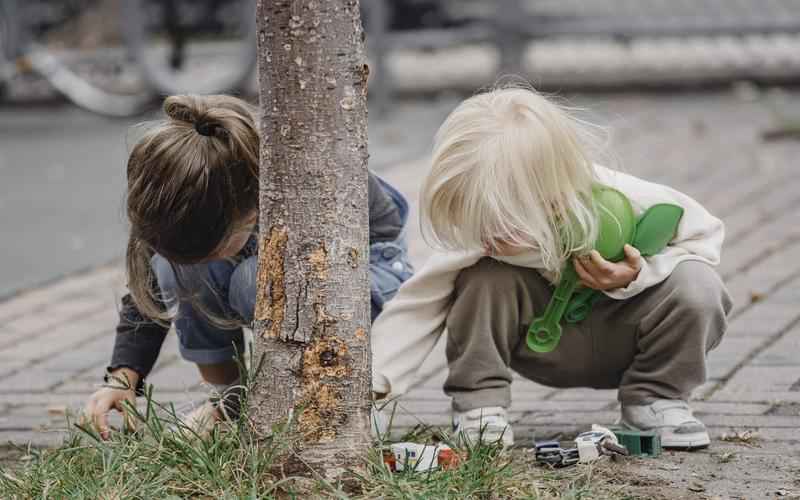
column 312, row 315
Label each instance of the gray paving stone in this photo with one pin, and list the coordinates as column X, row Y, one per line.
column 177, row 376
column 65, row 337
column 731, row 352
column 751, row 421
column 585, row 395
column 34, row 379
column 732, row 393
column 716, row 408
column 43, row 420
column 763, row 319
column 763, row 378
column 43, row 439
column 79, row 386
column 784, row 352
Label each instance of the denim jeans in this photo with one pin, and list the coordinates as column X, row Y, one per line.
column 227, row 289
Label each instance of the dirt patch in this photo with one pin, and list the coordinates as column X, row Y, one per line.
column 726, row 470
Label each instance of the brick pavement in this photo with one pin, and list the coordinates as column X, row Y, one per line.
column 55, row 340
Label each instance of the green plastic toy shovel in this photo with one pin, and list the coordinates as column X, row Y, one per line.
column 617, row 227
column 655, row 228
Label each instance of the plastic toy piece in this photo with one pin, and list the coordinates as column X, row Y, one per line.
column 419, row 457
column 599, row 441
column 617, row 227
column 551, row 453
column 639, row 443
column 655, row 228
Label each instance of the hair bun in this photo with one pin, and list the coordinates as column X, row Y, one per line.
column 180, row 108
column 209, row 128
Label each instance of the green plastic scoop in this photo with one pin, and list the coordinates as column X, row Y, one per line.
column 655, row 228
column 617, row 228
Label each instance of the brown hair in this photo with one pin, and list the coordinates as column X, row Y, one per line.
column 192, row 181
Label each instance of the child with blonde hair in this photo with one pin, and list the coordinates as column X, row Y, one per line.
column 192, row 203
column 508, row 202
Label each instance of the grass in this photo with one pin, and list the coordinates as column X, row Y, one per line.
column 164, row 459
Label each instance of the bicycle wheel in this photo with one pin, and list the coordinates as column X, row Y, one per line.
column 22, row 54
column 183, row 46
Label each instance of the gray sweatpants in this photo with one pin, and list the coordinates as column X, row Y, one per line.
column 650, row 346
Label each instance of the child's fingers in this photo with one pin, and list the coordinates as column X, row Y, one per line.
column 100, row 422
column 633, row 256
column 599, row 265
column 586, row 278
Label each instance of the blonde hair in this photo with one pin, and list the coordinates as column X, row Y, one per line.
column 510, row 166
column 192, row 183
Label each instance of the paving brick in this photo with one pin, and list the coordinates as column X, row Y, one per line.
column 177, row 376
column 39, row 439
column 61, row 338
column 732, row 393
column 763, row 378
column 43, row 420
column 784, row 352
column 716, row 408
column 562, row 406
column 572, row 418
column 34, row 379
column 751, row 421
column 79, row 386
column 763, row 319
column 731, row 352
column 585, row 395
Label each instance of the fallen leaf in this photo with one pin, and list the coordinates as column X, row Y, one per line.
column 747, row 437
column 57, row 410
column 782, row 492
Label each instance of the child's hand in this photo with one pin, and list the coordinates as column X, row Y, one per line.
column 106, row 399
column 600, row 274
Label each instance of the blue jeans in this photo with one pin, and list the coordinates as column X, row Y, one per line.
column 227, row 289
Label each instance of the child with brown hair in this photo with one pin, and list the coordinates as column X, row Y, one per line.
column 191, row 261
column 508, row 202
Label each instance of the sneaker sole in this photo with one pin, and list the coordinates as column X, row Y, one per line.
column 692, row 441
column 673, row 441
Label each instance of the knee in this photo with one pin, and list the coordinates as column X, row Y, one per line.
column 487, row 276
column 242, row 293
column 697, row 290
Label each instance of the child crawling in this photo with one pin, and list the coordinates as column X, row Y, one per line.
column 192, row 203
column 507, row 202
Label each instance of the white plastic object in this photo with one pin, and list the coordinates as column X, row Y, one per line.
column 587, row 450
column 588, row 442
column 416, row 457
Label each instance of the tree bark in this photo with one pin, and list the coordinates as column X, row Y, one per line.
column 312, row 315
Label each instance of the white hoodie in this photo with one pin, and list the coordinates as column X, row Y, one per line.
column 411, row 323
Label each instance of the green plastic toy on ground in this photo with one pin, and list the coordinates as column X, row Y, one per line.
column 653, row 231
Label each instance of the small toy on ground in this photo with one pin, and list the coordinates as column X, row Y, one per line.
column 420, row 457
column 597, row 442
column 589, row 446
column 639, row 443
column 551, row 453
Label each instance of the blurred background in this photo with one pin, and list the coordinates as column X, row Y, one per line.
column 697, row 94
column 75, row 75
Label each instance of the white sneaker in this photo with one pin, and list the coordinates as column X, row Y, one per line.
column 487, row 425
column 672, row 418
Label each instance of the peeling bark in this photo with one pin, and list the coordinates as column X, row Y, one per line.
column 312, row 313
